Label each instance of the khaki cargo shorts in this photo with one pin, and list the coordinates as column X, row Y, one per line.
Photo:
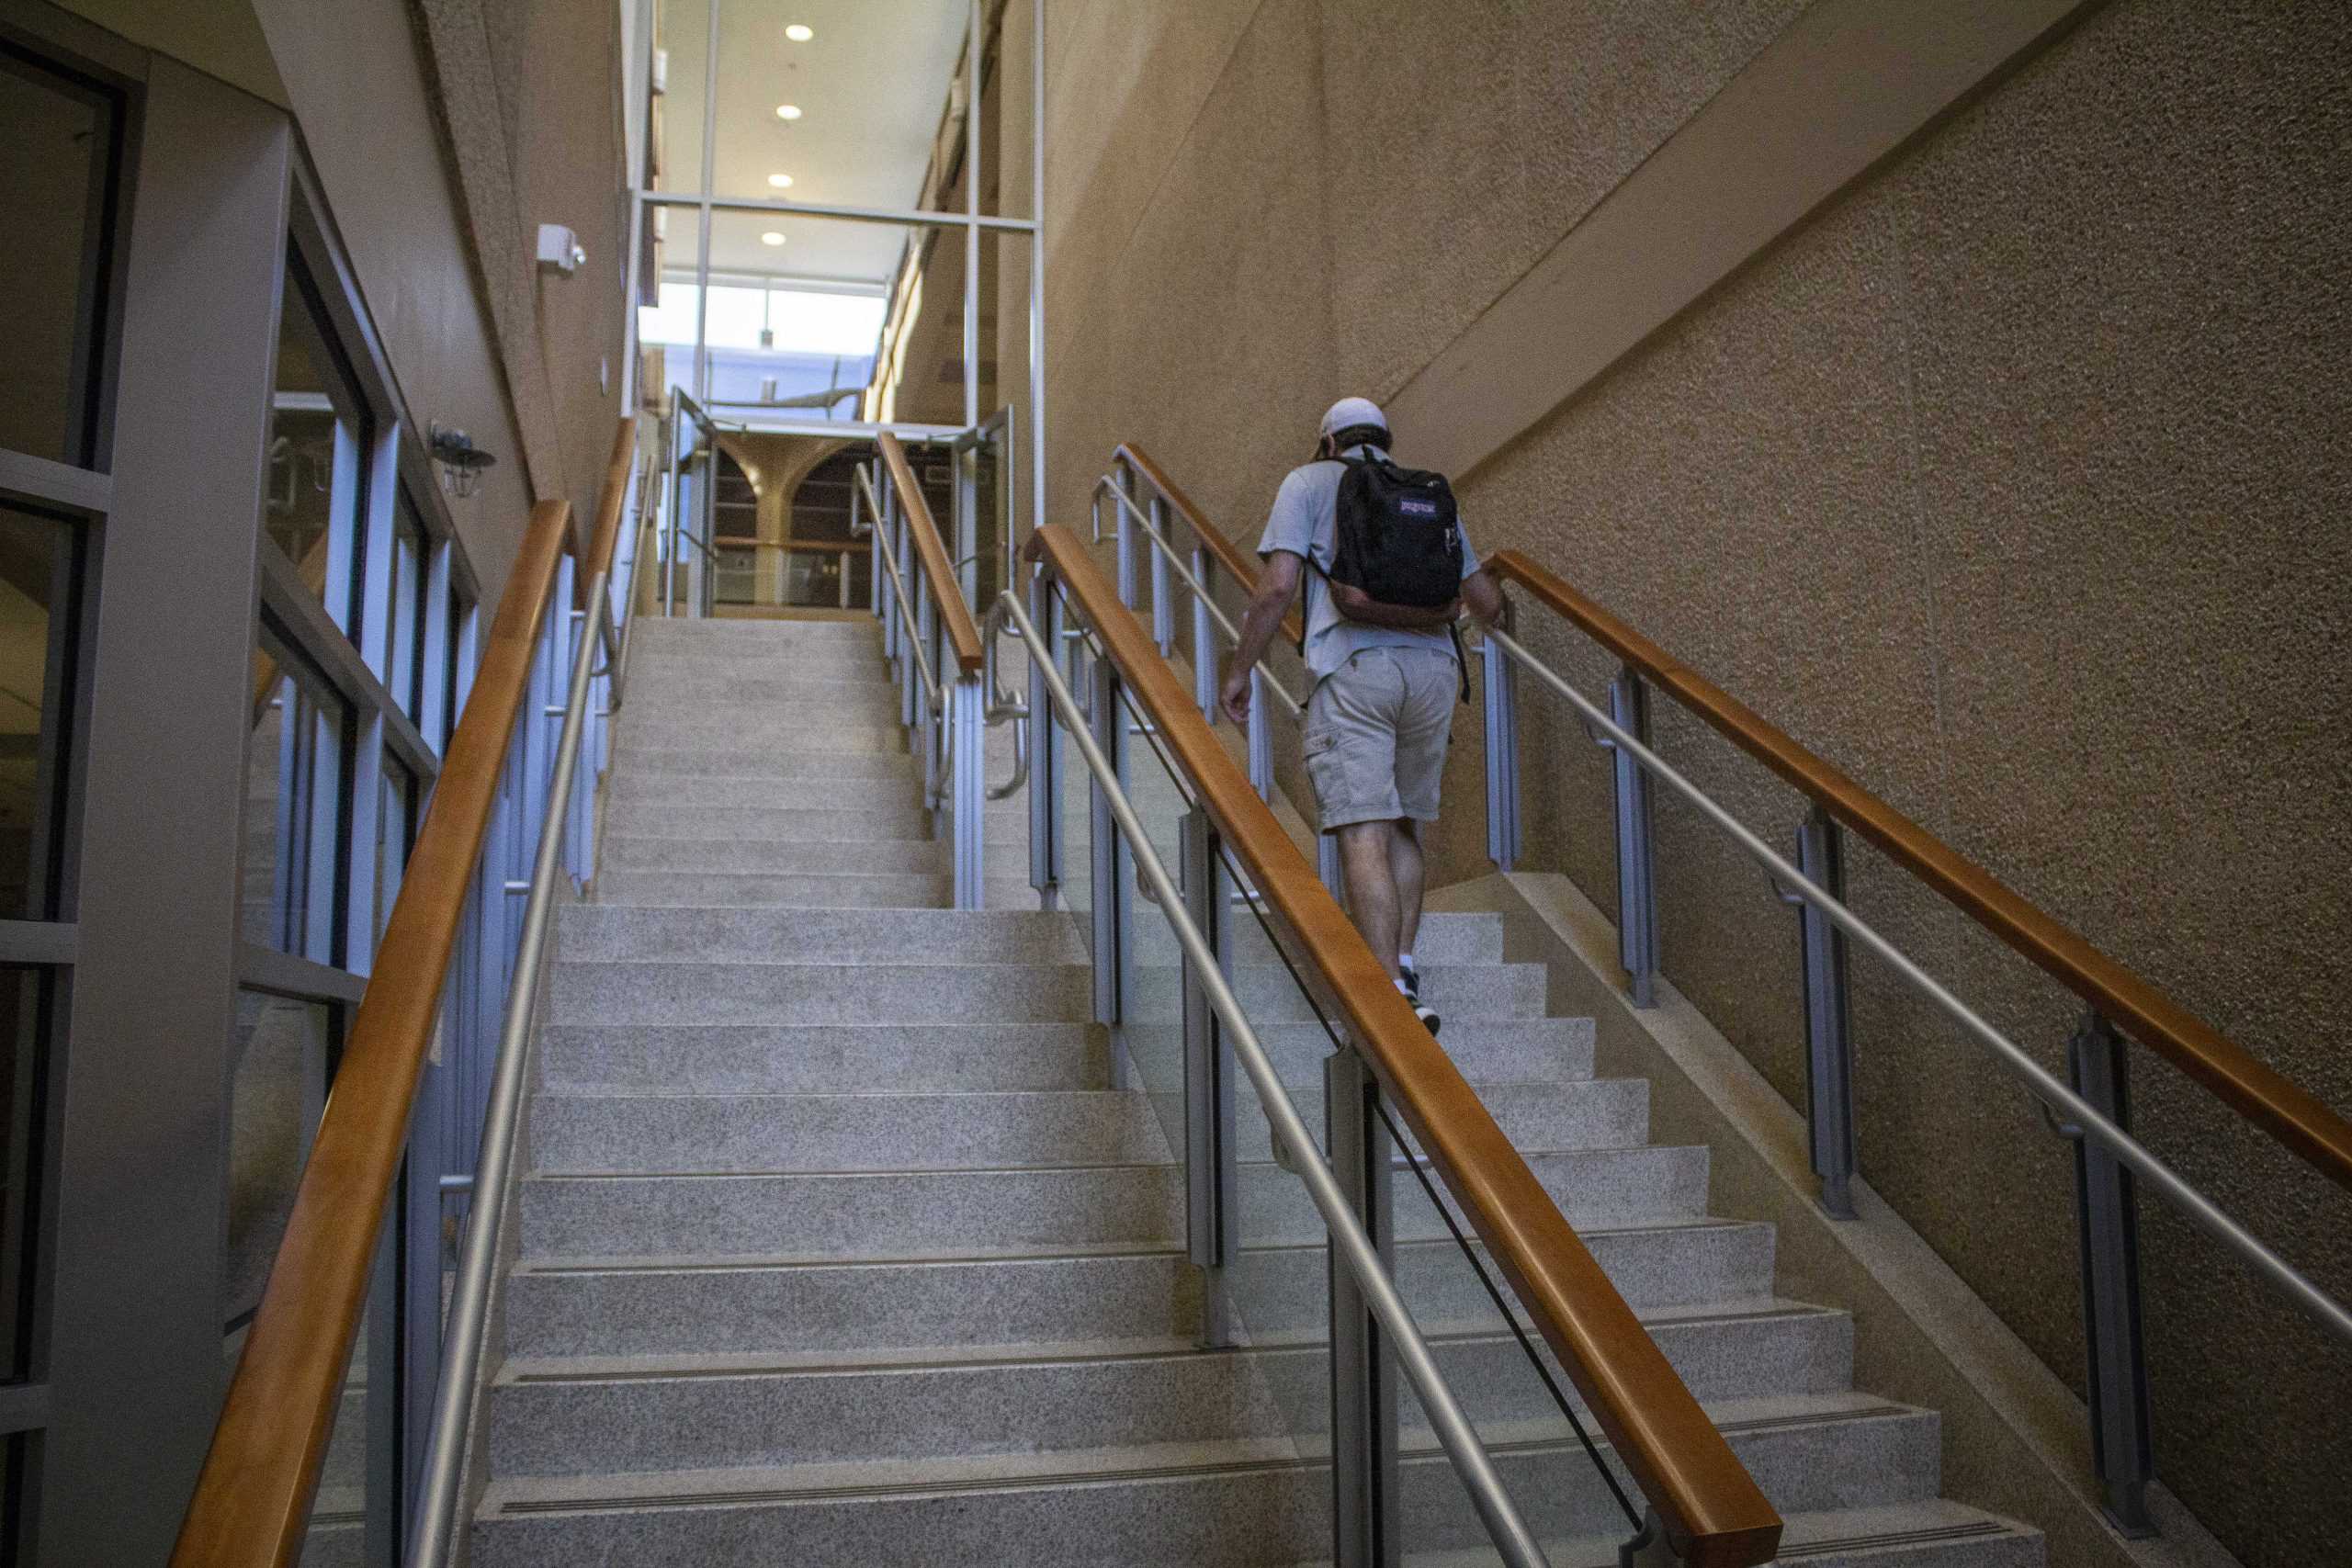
column 1377, row 729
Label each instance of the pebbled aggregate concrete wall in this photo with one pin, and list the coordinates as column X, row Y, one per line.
column 2008, row 482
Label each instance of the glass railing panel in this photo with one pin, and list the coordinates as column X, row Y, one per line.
column 1573, row 1492
column 1072, row 784
column 1151, row 1035
column 1268, row 1304
column 356, row 1513
column 284, row 1054
column 1276, row 1283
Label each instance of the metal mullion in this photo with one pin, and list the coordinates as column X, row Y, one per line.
column 1037, row 267
column 261, row 967
column 632, row 285
column 40, row 941
column 709, row 180
column 912, row 433
column 922, row 217
column 304, row 624
column 972, row 46
column 366, row 799
column 50, row 483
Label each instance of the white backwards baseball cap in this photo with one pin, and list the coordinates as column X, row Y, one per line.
column 1351, row 411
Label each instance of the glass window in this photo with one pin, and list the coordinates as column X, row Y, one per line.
column 404, row 679
column 36, row 648
column 451, row 684
column 682, row 30
column 313, row 504
column 296, row 768
column 795, row 314
column 284, row 1057
column 56, row 178
column 22, row 1062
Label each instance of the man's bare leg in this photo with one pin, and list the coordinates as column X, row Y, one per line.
column 1409, row 872
column 1364, row 863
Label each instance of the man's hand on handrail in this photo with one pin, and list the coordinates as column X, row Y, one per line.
column 1481, row 595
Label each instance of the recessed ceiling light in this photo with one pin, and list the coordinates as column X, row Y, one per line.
column 788, row 111
column 771, row 238
column 781, row 182
column 799, row 32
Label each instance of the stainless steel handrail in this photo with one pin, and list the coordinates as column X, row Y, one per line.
column 2046, row 1088
column 1199, row 591
column 1304, row 1157
column 464, row 1341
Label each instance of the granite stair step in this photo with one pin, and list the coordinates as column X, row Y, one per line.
column 1232, row 1502
column 847, row 1214
column 712, row 1133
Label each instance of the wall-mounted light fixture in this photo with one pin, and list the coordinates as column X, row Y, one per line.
column 561, row 248
column 461, row 461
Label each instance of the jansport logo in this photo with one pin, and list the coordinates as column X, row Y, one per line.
column 1414, row 506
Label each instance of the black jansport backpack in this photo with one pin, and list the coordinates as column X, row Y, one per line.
column 1400, row 540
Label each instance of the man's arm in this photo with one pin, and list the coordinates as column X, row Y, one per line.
column 1277, row 585
column 1483, row 596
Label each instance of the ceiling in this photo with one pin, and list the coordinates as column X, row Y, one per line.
column 871, row 86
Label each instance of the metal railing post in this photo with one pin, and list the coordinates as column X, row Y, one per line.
column 1262, row 736
column 1205, row 648
column 706, row 553
column 1126, row 541
column 1637, row 889
column 1109, row 889
column 1045, row 761
column 1650, row 1548
column 1163, row 610
column 1328, row 866
column 967, row 721
column 673, row 496
column 967, row 521
column 1829, row 1051
column 1364, row 1515
column 2109, row 1215
column 1501, row 694
column 929, row 707
column 1212, row 1174
column 909, row 635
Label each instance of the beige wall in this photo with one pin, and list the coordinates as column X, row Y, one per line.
column 2007, row 481
column 439, row 205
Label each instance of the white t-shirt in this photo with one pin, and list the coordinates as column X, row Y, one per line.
column 1306, row 522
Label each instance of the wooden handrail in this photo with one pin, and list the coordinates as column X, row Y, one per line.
column 2277, row 1105
column 1711, row 1506
column 938, row 566
column 1229, row 557
column 2265, row 1096
column 252, row 1504
column 605, row 534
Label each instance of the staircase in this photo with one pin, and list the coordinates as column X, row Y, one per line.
column 836, row 1246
